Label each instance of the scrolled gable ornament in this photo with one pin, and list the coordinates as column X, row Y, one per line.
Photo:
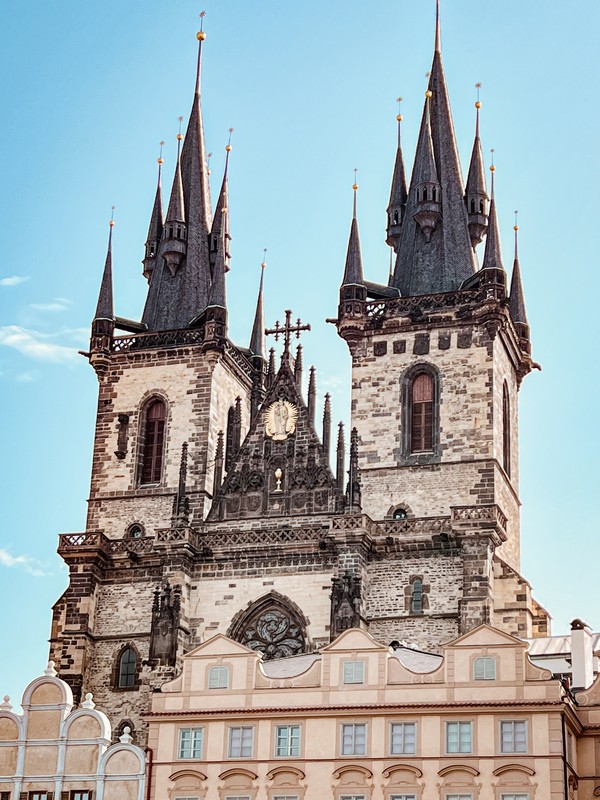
column 280, row 420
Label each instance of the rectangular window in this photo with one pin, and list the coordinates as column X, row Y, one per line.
column 353, row 797
column 190, row 742
column 513, row 736
column 403, row 738
column 237, row 797
column 515, row 797
column 218, row 678
column 459, row 737
column 403, row 797
column 83, row 795
column 354, row 671
column 241, row 741
column 354, row 740
column 459, row 797
column 39, row 795
column 285, row 797
column 484, row 669
column 4, row 795
column 287, row 740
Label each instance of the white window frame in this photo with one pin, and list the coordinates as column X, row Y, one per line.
column 352, row 797
column 237, row 797
column 289, row 741
column 354, row 672
column 513, row 796
column 221, row 681
column 345, row 730
column 403, row 748
column 244, row 729
column 194, row 751
column 459, row 797
column 285, row 797
column 403, row 797
column 462, row 726
column 488, row 668
column 514, row 737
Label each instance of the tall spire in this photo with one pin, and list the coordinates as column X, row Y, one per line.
column 104, row 307
column 492, row 258
column 438, row 31
column 425, row 178
column 257, row 338
column 220, row 227
column 173, row 246
column 353, row 272
column 517, row 297
column 444, row 262
column 398, row 193
column 476, row 197
column 155, row 228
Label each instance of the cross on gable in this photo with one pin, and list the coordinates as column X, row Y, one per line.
column 287, row 330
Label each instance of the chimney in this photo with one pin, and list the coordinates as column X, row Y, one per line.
column 582, row 655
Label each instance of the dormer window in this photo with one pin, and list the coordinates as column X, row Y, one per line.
column 354, row 672
column 218, row 677
column 484, row 669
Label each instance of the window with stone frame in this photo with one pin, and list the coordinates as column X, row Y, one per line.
column 153, row 442
column 513, row 736
column 241, row 741
column 4, row 795
column 421, row 413
column 353, row 739
column 459, row 737
column 506, row 429
column 416, row 595
column 77, row 794
column 287, row 741
column 218, row 677
column 403, row 738
column 190, row 743
column 354, row 671
column 126, row 669
column 484, row 668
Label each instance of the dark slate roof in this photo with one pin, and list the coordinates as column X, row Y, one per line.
column 104, row 308
column 257, row 337
column 398, row 193
column 517, row 296
column 492, row 257
column 176, row 209
column 476, row 176
column 443, row 263
column 353, row 272
column 155, row 227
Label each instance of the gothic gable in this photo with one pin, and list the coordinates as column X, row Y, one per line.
column 281, row 468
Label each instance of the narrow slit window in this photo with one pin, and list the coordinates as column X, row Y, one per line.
column 127, row 668
column 506, row 430
column 154, row 441
column 421, row 439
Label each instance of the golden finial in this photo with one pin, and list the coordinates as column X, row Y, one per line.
column 201, row 36
column 399, row 117
column 111, row 223
column 160, row 159
column 180, row 135
column 208, row 158
column 228, row 147
column 355, row 184
column 492, row 166
column 428, row 94
column 478, row 102
column 516, row 225
column 264, row 261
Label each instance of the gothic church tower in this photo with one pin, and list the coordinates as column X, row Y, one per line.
column 213, row 505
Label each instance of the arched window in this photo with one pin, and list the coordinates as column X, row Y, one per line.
column 135, row 531
column 273, row 625
column 127, row 669
column 416, row 597
column 506, row 429
column 153, row 442
column 421, row 413
column 400, row 513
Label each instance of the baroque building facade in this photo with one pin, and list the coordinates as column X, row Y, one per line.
column 215, row 505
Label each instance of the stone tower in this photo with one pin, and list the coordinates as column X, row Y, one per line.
column 213, row 505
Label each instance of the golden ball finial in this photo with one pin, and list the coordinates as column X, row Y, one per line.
column 399, row 117
column 264, row 265
column 160, row 160
column 515, row 228
column 111, row 224
column 228, row 148
column 179, row 137
column 492, row 168
column 355, row 186
column 428, row 94
column 201, row 36
column 478, row 104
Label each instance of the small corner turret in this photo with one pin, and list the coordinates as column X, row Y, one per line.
column 353, row 291
column 398, row 193
column 155, row 229
column 173, row 246
column 476, row 197
column 103, row 324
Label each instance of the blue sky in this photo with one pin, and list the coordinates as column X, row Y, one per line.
column 310, row 92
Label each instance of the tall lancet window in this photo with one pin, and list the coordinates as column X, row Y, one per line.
column 506, row 429
column 153, row 442
column 421, row 413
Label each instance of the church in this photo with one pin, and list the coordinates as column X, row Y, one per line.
column 221, row 506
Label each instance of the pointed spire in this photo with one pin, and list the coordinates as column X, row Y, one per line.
column 272, row 369
column 218, row 474
column 476, row 197
column 155, row 228
column 298, row 367
column 257, row 338
column 425, row 178
column 340, row 457
column 398, row 193
column 181, row 503
column 312, row 394
column 327, row 425
column 176, row 209
column 438, row 29
column 219, row 235
column 104, row 308
column 353, row 272
column 492, row 258
column 353, row 493
column 173, row 246
column 443, row 263
column 517, row 296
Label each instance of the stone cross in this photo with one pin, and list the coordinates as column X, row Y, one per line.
column 287, row 330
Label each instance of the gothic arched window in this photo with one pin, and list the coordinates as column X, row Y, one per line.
column 230, row 439
column 153, row 442
column 273, row 626
column 506, row 429
column 421, row 413
column 127, row 668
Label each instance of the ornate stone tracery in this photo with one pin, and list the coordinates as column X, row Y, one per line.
column 273, row 626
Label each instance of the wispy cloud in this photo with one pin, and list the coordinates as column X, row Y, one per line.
column 57, row 304
column 26, row 377
column 27, row 563
column 13, row 280
column 36, row 345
